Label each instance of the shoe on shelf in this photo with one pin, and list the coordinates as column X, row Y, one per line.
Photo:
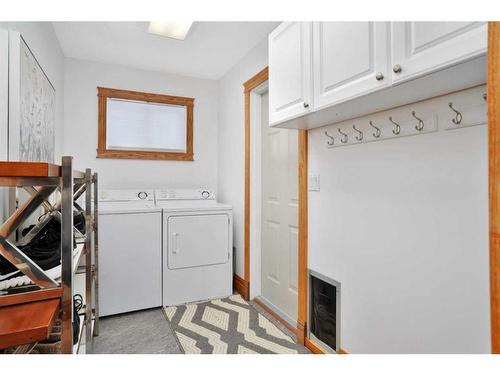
column 44, row 248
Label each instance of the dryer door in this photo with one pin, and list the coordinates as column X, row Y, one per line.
column 197, row 240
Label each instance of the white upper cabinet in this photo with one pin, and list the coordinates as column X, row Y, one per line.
column 290, row 75
column 420, row 48
column 324, row 72
column 349, row 59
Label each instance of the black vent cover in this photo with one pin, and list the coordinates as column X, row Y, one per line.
column 323, row 310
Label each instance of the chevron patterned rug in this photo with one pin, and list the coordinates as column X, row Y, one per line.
column 227, row 326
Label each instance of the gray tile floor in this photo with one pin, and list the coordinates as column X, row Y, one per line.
column 141, row 332
column 146, row 332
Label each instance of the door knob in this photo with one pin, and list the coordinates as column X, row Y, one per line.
column 397, row 68
column 306, row 105
column 379, row 76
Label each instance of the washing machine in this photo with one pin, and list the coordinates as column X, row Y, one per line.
column 197, row 246
column 130, row 251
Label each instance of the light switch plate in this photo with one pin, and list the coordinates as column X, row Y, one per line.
column 313, row 182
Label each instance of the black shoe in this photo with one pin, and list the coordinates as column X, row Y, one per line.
column 44, row 248
column 77, row 306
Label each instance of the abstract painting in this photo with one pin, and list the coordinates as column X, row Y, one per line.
column 37, row 110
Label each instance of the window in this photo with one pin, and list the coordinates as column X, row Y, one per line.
column 138, row 125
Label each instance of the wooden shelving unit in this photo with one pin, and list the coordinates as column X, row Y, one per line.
column 28, row 312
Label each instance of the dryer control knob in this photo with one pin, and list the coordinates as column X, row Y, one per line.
column 142, row 195
column 205, row 194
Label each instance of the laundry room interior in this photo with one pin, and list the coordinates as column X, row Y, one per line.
column 250, row 186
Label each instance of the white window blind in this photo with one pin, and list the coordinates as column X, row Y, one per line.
column 136, row 125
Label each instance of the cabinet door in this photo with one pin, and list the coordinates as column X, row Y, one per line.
column 290, row 77
column 350, row 59
column 420, row 48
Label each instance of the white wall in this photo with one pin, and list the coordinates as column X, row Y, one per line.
column 4, row 95
column 402, row 224
column 80, row 137
column 231, row 153
column 42, row 41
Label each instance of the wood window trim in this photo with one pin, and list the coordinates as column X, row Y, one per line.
column 493, row 96
column 104, row 93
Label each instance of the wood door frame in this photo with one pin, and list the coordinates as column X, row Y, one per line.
column 255, row 81
column 242, row 285
column 493, row 96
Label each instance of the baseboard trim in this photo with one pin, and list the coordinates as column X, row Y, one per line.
column 275, row 315
column 241, row 286
column 316, row 349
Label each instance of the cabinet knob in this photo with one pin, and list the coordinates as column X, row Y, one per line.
column 306, row 105
column 379, row 76
column 397, row 68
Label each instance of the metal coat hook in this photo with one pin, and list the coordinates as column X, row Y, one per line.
column 397, row 128
column 331, row 141
column 344, row 138
column 420, row 125
column 458, row 116
column 359, row 137
column 377, row 130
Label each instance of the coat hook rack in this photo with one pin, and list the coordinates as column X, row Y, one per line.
column 454, row 111
column 331, row 141
column 397, row 127
column 344, row 138
column 420, row 125
column 458, row 116
column 377, row 130
column 359, row 137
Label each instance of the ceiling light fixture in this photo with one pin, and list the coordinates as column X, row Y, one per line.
column 170, row 29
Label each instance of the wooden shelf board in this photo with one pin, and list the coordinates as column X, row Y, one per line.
column 27, row 322
column 29, row 169
column 36, row 295
column 33, row 169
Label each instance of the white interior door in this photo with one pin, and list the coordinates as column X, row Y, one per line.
column 279, row 217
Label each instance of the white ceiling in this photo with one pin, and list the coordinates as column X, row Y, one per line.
column 209, row 51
